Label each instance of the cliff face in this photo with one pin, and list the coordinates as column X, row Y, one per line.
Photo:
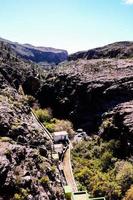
column 27, row 170
column 41, row 55
column 84, row 90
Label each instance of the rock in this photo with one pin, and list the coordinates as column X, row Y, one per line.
column 26, row 181
column 4, row 168
column 24, row 175
column 92, row 88
column 22, row 139
column 21, row 166
column 118, row 124
column 43, row 151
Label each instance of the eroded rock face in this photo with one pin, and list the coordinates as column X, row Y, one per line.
column 16, row 119
column 83, row 90
column 25, row 172
column 118, row 124
column 22, row 171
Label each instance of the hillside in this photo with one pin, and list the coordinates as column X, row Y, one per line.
column 94, row 94
column 41, row 55
column 27, row 170
column 116, row 50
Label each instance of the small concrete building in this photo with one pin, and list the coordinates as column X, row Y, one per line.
column 60, row 136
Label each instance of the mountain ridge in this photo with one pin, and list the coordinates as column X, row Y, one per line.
column 122, row 49
column 37, row 54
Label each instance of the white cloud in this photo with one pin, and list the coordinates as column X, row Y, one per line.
column 129, row 2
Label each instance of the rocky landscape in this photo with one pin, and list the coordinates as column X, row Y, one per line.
column 27, row 170
column 43, row 55
column 92, row 89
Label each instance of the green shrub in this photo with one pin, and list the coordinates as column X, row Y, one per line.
column 44, row 115
column 53, row 168
column 103, row 185
column 50, row 126
column 106, row 160
column 53, row 124
column 125, row 176
column 95, row 168
column 17, row 197
column 22, row 195
column 44, row 181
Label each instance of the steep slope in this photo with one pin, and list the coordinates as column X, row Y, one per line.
column 37, row 54
column 27, row 170
column 115, row 50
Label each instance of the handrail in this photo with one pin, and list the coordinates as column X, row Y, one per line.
column 32, row 112
column 97, row 198
column 47, row 132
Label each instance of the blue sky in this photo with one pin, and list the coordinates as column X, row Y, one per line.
column 68, row 24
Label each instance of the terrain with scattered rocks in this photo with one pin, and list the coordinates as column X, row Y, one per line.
column 93, row 90
column 27, row 170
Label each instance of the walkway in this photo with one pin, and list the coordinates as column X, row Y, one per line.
column 67, row 168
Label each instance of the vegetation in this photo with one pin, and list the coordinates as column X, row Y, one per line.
column 22, row 195
column 129, row 194
column 31, row 100
column 44, row 115
column 103, row 174
column 44, row 181
column 52, row 124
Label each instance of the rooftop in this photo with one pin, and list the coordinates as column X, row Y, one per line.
column 63, row 133
column 80, row 196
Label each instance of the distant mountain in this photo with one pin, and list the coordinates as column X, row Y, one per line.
column 116, row 50
column 41, row 55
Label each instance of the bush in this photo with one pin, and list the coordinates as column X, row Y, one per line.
column 64, row 125
column 44, row 115
column 125, row 176
column 17, row 197
column 94, row 168
column 53, row 124
column 44, row 181
column 22, row 195
column 129, row 194
column 50, row 126
column 106, row 160
column 103, row 185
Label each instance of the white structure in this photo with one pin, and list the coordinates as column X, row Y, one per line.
column 58, row 148
column 60, row 136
